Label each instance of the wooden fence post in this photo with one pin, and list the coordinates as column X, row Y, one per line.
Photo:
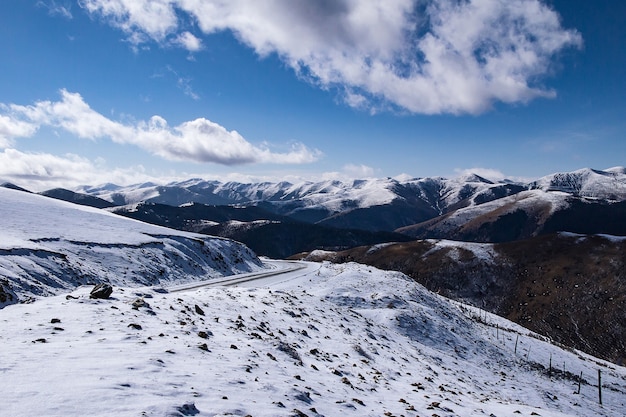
column 600, row 386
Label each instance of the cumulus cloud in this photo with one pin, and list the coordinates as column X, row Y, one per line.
column 199, row 140
column 424, row 56
column 142, row 19
column 188, row 41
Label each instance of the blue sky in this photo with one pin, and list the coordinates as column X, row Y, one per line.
column 127, row 91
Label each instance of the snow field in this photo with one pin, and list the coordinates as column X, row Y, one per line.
column 345, row 340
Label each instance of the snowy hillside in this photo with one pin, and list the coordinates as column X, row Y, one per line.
column 49, row 246
column 538, row 204
column 609, row 184
column 342, row 340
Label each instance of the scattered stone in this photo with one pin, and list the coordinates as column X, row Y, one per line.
column 434, row 404
column 188, row 409
column 233, row 347
column 361, row 351
column 204, row 347
column 101, row 291
column 290, row 351
column 198, row 310
column 55, row 321
column 135, row 326
column 140, row 302
column 205, row 334
column 304, row 397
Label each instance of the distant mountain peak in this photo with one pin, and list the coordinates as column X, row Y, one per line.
column 12, row 186
column 471, row 177
column 587, row 183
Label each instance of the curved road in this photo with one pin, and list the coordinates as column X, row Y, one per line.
column 280, row 272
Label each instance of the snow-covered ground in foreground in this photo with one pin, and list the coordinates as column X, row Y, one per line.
column 49, row 246
column 338, row 340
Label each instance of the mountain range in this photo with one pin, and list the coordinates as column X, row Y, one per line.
column 468, row 208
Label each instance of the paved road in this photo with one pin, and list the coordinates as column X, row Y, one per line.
column 280, row 272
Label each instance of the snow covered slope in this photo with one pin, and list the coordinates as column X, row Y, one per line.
column 48, row 246
column 346, row 340
column 609, row 184
column 534, row 207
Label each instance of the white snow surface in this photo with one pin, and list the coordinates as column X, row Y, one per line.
column 49, row 246
column 345, row 340
column 608, row 184
column 526, row 200
column 483, row 251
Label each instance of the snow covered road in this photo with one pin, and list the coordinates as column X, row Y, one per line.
column 280, row 272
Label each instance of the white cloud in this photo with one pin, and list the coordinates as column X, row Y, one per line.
column 140, row 18
column 491, row 174
column 184, row 84
column 358, row 171
column 488, row 173
column 198, row 140
column 11, row 128
column 55, row 9
column 426, row 56
column 188, row 41
column 41, row 171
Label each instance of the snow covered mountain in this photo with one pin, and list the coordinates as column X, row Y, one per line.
column 609, row 184
column 371, row 204
column 523, row 215
column 49, row 246
column 343, row 340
